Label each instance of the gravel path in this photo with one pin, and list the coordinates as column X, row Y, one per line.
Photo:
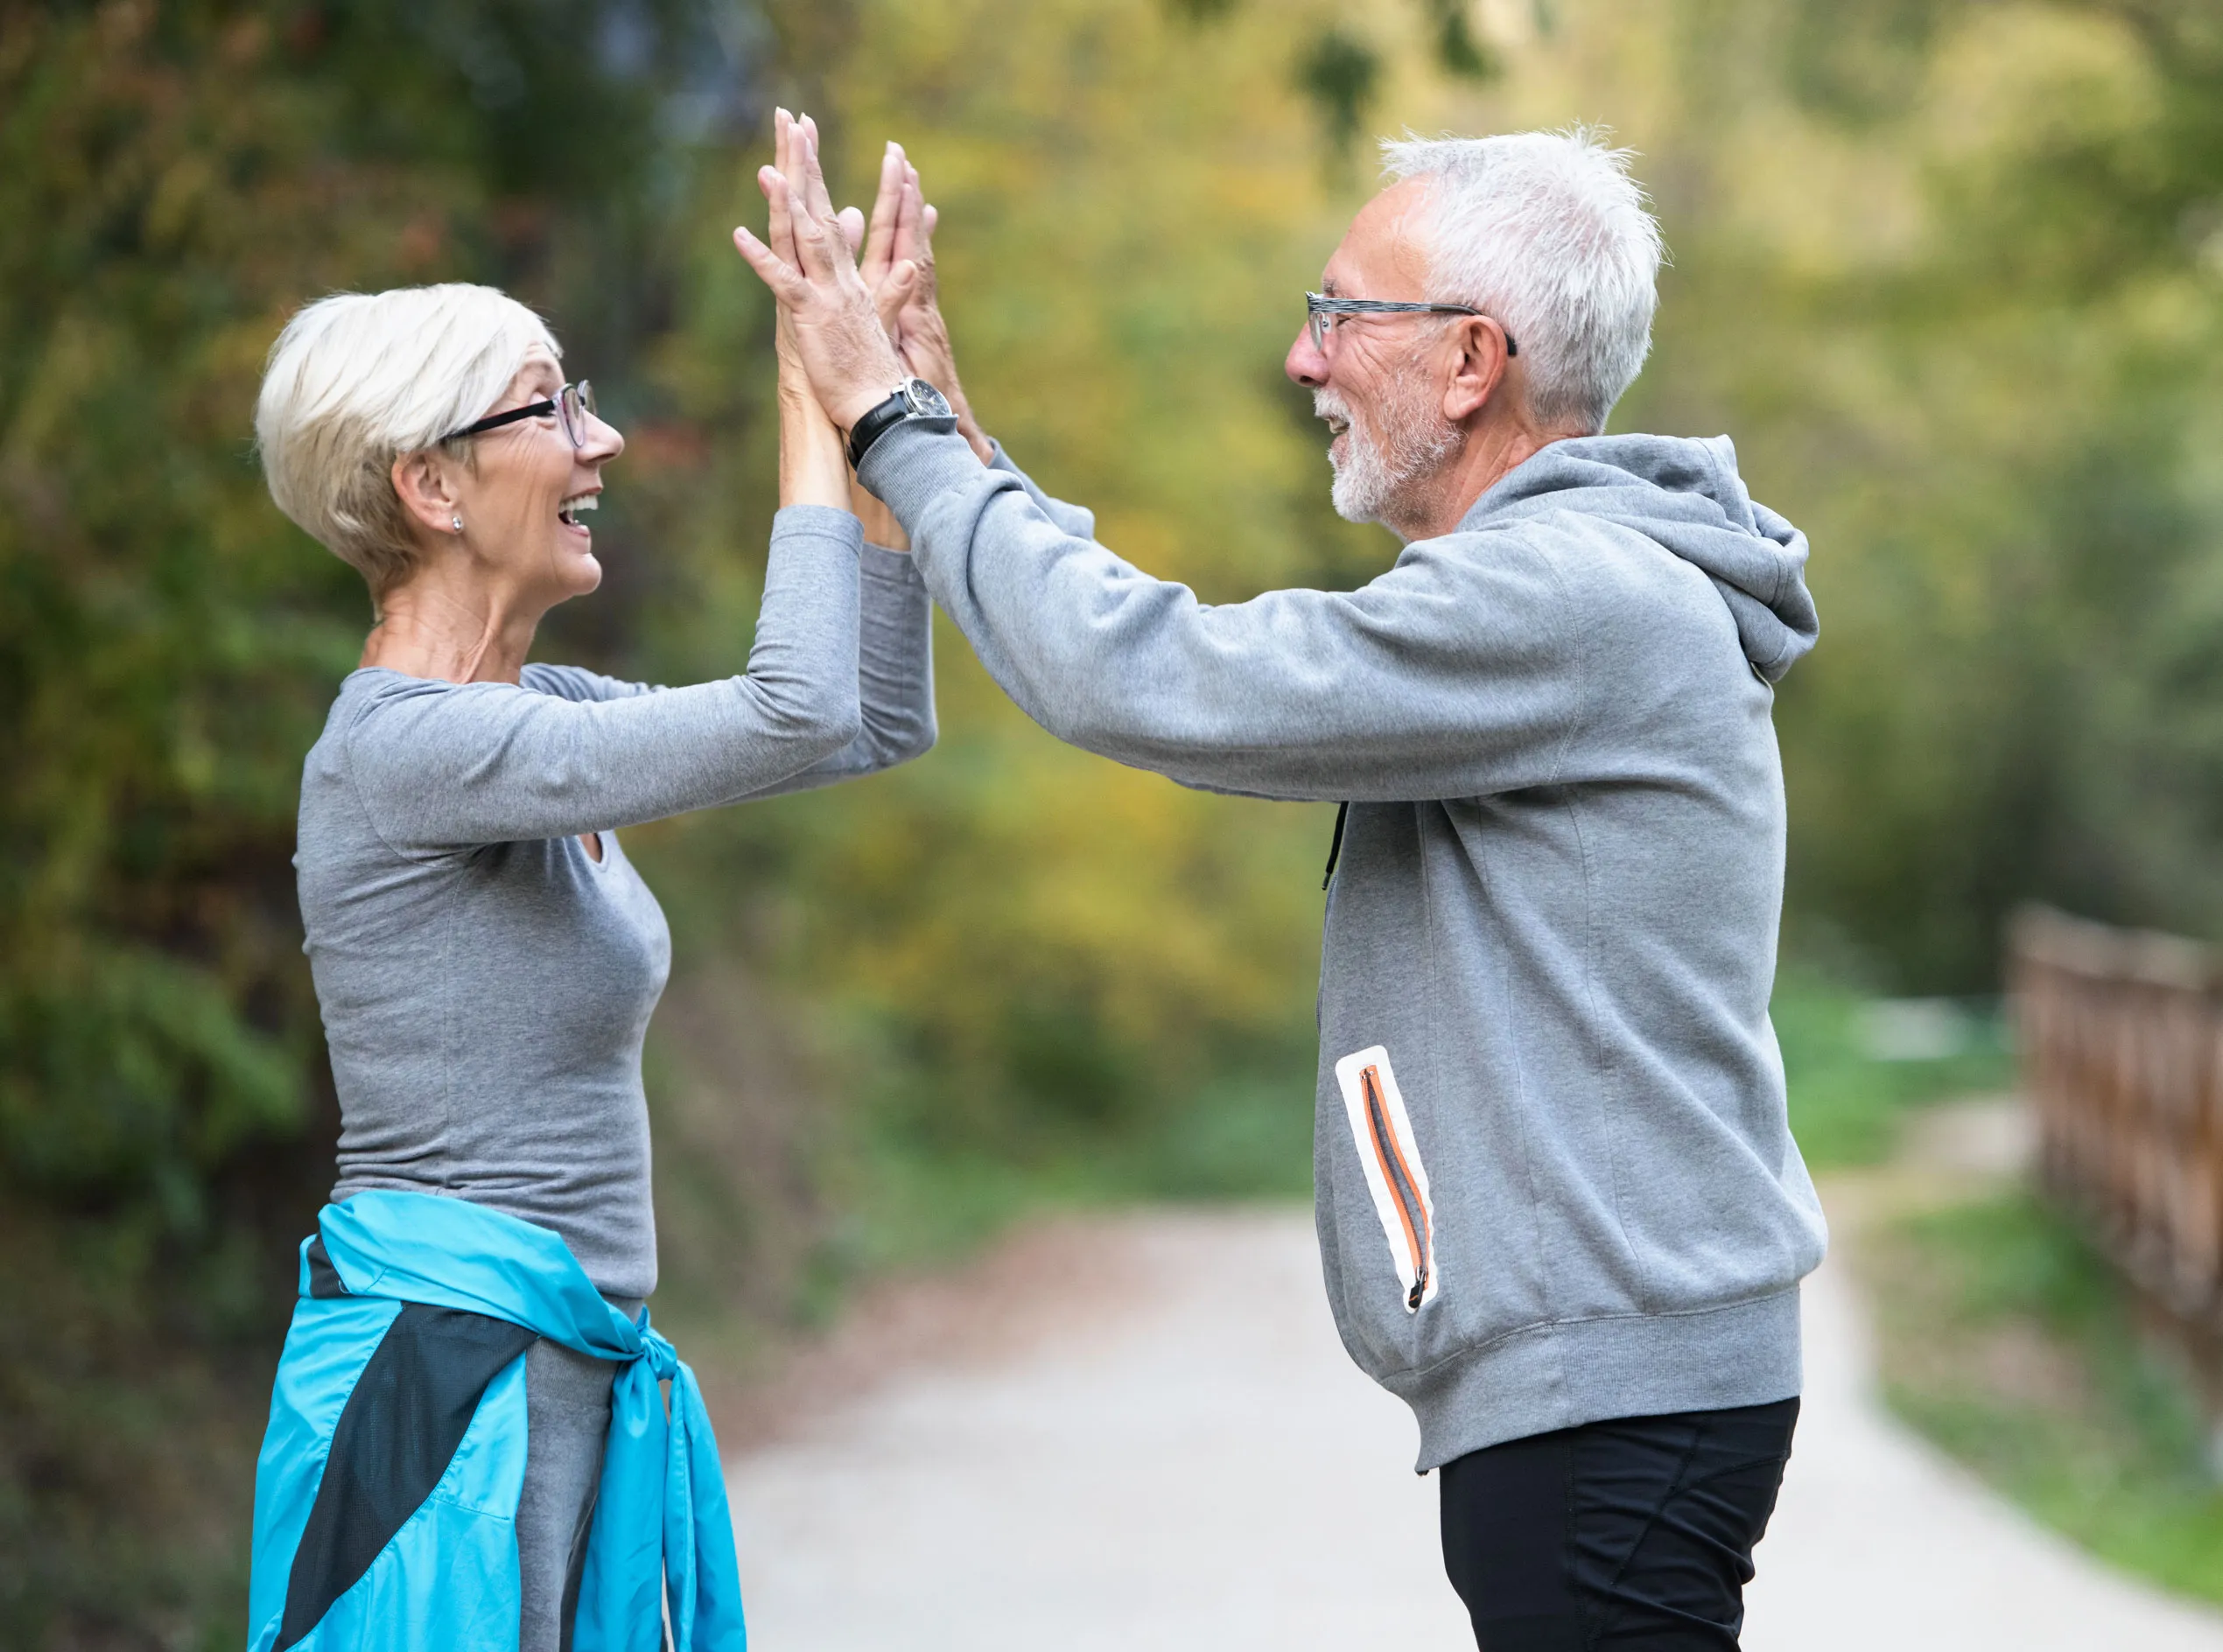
column 1142, row 1431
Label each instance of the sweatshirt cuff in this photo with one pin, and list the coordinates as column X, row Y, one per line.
column 915, row 464
column 792, row 522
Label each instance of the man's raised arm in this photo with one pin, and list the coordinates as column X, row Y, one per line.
column 1453, row 675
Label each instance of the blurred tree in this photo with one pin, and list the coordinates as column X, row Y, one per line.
column 1340, row 73
column 179, row 176
column 1341, row 70
column 1994, row 380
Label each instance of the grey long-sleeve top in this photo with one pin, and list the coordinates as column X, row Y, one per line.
column 486, row 983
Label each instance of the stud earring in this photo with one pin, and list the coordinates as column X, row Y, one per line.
column 458, row 521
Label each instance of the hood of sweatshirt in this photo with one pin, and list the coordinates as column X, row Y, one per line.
column 1683, row 493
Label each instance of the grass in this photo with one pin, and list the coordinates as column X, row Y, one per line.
column 2002, row 1335
column 1246, row 1133
column 2010, row 1342
column 1848, row 1104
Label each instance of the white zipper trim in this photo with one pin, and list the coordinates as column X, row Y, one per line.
column 1349, row 1075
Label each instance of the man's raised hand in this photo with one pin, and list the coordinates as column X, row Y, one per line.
column 836, row 325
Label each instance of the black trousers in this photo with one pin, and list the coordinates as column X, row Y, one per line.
column 1634, row 1533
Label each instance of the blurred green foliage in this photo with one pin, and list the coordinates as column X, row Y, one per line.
column 1847, row 1101
column 1953, row 276
column 2008, row 1338
column 1950, row 275
column 175, row 178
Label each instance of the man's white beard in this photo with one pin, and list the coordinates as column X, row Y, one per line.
column 1378, row 483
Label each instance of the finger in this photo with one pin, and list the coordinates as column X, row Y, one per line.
column 790, row 161
column 821, row 254
column 816, row 200
column 852, row 227
column 895, row 293
column 779, row 224
column 880, row 237
column 924, row 219
column 796, row 170
column 907, row 220
column 787, row 285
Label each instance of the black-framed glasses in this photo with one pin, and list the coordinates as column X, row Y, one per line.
column 571, row 405
column 1317, row 310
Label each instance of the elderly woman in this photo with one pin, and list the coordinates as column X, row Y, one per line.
column 467, row 1444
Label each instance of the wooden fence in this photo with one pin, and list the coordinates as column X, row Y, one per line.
column 2121, row 1038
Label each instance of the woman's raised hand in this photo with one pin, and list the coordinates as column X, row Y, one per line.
column 814, row 467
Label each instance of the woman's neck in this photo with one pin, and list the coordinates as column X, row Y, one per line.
column 454, row 632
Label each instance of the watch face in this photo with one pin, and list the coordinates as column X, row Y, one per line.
column 925, row 401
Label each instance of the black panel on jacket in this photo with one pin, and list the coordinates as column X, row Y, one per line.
column 396, row 1436
column 324, row 1278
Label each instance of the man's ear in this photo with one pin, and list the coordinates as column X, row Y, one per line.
column 421, row 483
column 1479, row 369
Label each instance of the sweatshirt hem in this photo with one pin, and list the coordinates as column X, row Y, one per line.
column 891, row 567
column 1568, row 1372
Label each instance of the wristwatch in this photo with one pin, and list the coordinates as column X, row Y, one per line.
column 913, row 399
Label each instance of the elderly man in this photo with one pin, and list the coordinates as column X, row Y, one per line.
column 1561, row 1213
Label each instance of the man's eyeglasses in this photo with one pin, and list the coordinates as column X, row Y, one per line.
column 571, row 405
column 1317, row 310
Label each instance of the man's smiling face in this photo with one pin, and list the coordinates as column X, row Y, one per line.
column 1375, row 379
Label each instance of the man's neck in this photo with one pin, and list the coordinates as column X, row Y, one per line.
column 1492, row 450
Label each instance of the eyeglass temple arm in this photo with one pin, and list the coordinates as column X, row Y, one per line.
column 1315, row 306
column 495, row 421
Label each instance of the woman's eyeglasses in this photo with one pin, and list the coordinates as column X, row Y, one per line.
column 571, row 405
column 1317, row 311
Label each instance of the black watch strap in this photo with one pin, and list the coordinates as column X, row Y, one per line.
column 875, row 424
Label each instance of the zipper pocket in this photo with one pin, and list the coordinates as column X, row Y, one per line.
column 1382, row 1132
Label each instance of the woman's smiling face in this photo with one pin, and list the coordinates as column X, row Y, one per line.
column 524, row 501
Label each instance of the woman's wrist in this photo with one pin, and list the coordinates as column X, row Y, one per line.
column 814, row 467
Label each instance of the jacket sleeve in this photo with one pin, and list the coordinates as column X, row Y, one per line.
column 441, row 766
column 1456, row 674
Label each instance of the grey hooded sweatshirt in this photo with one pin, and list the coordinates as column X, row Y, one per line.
column 1554, row 1179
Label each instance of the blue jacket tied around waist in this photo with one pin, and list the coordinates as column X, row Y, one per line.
column 386, row 1494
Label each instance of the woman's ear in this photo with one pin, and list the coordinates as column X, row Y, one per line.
column 421, row 483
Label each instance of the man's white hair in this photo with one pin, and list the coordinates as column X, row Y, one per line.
column 1549, row 234
column 359, row 379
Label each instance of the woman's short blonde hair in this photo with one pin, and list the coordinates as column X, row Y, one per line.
column 359, row 379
